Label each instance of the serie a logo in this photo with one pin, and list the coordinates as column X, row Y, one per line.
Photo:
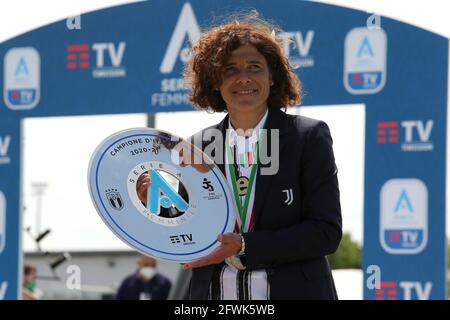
column 162, row 194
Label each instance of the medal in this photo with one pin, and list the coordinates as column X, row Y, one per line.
column 242, row 185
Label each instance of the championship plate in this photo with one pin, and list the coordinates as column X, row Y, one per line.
column 187, row 204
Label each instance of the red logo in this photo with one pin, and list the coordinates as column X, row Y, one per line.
column 77, row 56
column 394, row 236
column 387, row 132
column 388, row 291
column 357, row 79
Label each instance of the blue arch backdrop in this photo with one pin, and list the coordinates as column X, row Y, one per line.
column 128, row 59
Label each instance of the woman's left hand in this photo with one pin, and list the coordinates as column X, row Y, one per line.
column 230, row 245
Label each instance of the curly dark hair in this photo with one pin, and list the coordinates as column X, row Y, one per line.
column 203, row 72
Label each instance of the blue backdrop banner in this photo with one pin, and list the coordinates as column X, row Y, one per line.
column 129, row 59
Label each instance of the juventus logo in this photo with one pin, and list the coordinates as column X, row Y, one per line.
column 289, row 197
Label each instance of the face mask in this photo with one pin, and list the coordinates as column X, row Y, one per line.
column 147, row 272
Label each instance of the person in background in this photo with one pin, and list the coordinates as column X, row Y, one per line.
column 145, row 283
column 29, row 289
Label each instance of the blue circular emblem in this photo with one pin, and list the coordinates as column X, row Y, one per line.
column 160, row 194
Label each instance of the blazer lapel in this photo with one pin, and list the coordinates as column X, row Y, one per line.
column 276, row 119
column 219, row 144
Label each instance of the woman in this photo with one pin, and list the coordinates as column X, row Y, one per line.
column 288, row 221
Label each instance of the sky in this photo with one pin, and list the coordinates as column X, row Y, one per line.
column 65, row 206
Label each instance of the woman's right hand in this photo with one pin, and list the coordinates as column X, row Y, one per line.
column 142, row 186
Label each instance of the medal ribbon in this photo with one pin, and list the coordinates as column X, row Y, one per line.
column 242, row 208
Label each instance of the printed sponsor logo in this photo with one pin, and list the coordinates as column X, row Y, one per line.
column 416, row 134
column 22, row 78
column 107, row 58
column 297, row 47
column 365, row 61
column 404, row 290
column 404, row 216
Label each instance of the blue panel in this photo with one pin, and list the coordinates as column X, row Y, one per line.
column 10, row 252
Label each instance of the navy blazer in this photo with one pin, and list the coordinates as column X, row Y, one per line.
column 291, row 237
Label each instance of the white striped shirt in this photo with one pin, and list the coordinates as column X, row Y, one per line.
column 230, row 283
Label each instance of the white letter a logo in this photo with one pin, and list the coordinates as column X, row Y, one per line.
column 186, row 24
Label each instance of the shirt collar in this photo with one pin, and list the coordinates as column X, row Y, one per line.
column 234, row 138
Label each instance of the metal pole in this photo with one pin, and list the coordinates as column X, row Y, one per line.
column 39, row 188
column 151, row 120
column 38, row 212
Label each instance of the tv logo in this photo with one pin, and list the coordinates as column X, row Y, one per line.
column 22, row 78
column 404, row 216
column 4, row 146
column 365, row 60
column 390, row 290
column 423, row 133
column 387, row 132
column 162, row 194
column 417, row 134
column 182, row 238
column 78, row 58
column 404, row 238
column 303, row 45
column 2, row 222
